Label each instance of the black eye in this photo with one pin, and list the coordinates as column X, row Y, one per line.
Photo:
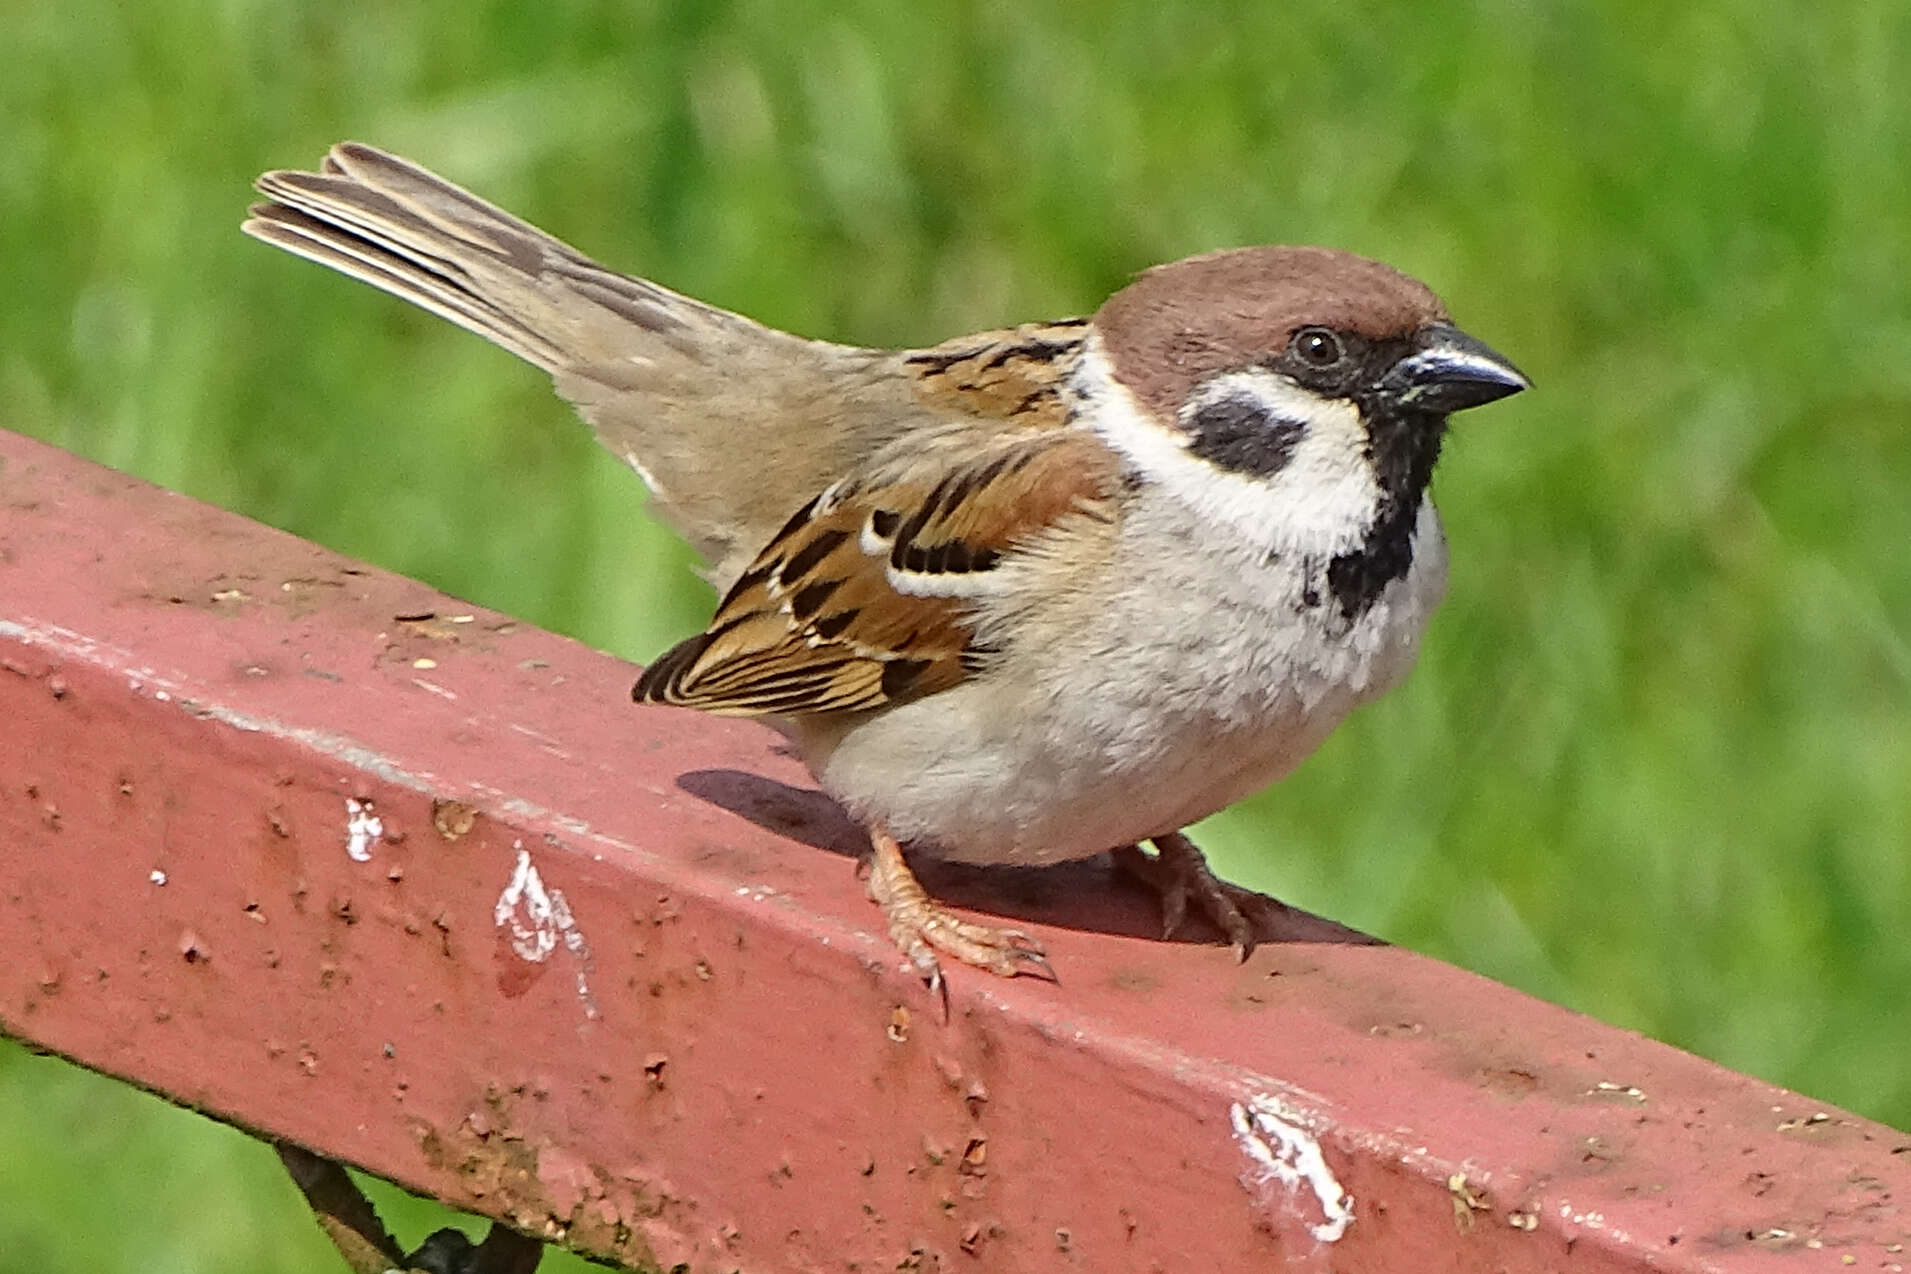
column 1316, row 346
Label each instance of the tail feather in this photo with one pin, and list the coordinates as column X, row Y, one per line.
column 651, row 370
column 431, row 287
column 390, row 223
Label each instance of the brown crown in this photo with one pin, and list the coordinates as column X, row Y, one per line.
column 1180, row 323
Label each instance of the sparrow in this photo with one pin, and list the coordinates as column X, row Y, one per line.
column 1022, row 597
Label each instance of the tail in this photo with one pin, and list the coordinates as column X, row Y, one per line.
column 717, row 413
column 390, row 223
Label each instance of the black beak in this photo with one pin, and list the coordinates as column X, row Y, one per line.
column 1447, row 370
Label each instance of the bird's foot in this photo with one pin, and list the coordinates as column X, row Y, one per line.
column 921, row 926
column 1179, row 873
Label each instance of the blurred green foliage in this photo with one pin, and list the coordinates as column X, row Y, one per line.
column 1656, row 763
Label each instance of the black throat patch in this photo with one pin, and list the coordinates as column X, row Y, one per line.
column 1402, row 446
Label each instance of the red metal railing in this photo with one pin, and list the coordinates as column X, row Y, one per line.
column 326, row 854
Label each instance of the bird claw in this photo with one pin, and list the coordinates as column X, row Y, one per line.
column 921, row 927
column 1179, row 874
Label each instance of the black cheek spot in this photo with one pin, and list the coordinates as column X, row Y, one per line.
column 884, row 523
column 1241, row 435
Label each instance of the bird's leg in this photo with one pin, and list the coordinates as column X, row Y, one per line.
column 1179, row 873
column 921, row 926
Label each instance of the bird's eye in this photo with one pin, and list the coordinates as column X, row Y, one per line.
column 1316, row 346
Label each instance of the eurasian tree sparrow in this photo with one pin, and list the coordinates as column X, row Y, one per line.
column 1018, row 598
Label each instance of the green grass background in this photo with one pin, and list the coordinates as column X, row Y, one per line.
column 1656, row 762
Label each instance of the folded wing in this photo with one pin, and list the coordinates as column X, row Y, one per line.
column 869, row 594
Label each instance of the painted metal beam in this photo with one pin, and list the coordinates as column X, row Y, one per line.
column 340, row 859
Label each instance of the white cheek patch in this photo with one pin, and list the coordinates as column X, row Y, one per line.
column 1322, row 502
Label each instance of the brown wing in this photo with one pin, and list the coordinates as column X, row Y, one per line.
column 867, row 595
column 1013, row 375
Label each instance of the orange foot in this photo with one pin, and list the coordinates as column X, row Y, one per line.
column 1179, row 872
column 921, row 926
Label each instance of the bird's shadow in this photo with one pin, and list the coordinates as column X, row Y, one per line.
column 1089, row 895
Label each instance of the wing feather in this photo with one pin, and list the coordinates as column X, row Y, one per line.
column 868, row 595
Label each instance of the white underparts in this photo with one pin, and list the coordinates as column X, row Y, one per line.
column 1322, row 502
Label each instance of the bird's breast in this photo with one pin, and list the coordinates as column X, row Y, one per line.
column 1133, row 700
